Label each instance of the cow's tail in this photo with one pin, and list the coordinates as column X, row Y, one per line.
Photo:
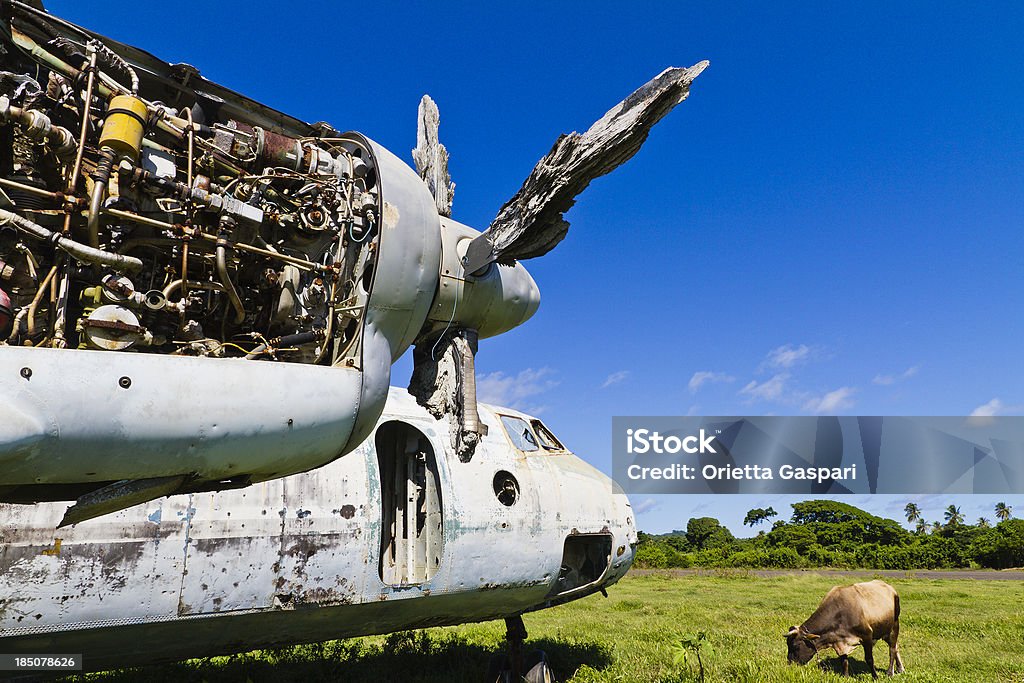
column 896, row 607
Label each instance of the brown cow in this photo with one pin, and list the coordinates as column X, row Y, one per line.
column 847, row 617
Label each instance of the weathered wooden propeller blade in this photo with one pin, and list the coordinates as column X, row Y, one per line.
column 431, row 157
column 531, row 223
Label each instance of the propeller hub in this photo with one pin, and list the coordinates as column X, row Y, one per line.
column 494, row 301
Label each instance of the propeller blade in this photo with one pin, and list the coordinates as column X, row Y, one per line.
column 531, row 223
column 431, row 157
column 120, row 495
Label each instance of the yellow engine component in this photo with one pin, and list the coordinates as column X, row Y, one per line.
column 125, row 124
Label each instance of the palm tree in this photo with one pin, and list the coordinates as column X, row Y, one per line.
column 953, row 516
column 1003, row 512
column 983, row 523
column 913, row 512
column 936, row 527
column 922, row 526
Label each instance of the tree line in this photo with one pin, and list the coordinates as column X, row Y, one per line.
column 825, row 533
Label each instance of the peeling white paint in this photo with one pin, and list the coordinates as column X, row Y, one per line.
column 228, row 571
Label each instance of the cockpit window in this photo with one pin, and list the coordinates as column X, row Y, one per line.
column 546, row 438
column 520, row 434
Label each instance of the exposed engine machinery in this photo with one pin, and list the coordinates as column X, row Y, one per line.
column 140, row 215
column 257, row 276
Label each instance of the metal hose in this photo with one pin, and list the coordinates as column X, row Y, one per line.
column 83, row 253
column 118, row 62
column 175, row 285
column 99, row 193
column 225, row 278
column 297, row 339
column 31, row 310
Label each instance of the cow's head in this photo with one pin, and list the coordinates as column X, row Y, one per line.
column 801, row 645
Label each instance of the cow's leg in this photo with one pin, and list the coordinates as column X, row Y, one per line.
column 895, row 661
column 844, row 661
column 869, row 656
column 895, row 665
column 899, row 659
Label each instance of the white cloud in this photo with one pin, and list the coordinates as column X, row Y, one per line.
column 983, row 415
column 990, row 409
column 833, row 401
column 705, row 377
column 615, row 378
column 646, row 505
column 512, row 390
column 787, row 356
column 886, row 380
column 769, row 390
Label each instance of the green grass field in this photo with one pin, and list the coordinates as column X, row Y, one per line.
column 953, row 631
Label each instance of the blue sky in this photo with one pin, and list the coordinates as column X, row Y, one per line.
column 831, row 223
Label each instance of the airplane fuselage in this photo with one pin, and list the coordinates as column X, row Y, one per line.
column 400, row 534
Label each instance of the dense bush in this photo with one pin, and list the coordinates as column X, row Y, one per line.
column 823, row 533
column 1001, row 546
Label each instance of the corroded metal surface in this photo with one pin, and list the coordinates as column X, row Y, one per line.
column 297, row 559
column 95, row 416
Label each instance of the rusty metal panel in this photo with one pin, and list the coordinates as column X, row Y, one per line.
column 232, row 535
column 322, row 559
column 123, row 566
